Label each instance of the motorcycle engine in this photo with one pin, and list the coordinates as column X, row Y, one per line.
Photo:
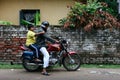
column 53, row 58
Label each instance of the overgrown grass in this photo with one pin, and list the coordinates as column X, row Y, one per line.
column 19, row 66
column 9, row 66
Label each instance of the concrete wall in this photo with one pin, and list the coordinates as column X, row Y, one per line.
column 51, row 10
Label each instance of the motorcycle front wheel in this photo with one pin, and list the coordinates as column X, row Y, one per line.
column 29, row 66
column 71, row 62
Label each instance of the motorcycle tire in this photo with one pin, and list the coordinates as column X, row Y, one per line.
column 73, row 63
column 29, row 68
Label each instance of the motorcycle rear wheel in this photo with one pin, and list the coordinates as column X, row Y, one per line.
column 30, row 68
column 73, row 63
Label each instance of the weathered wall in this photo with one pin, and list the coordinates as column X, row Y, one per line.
column 102, row 46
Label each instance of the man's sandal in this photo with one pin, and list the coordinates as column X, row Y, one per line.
column 45, row 73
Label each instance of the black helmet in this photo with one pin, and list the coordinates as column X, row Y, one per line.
column 45, row 23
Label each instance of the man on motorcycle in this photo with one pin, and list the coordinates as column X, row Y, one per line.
column 41, row 42
column 31, row 40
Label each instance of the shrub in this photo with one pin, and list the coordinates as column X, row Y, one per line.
column 93, row 15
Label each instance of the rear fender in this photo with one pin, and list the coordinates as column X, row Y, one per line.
column 27, row 55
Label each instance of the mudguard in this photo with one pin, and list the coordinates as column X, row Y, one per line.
column 72, row 52
column 27, row 55
column 66, row 54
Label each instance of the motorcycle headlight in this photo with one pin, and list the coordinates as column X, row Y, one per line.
column 65, row 43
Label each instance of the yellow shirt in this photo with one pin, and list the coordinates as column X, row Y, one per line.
column 30, row 38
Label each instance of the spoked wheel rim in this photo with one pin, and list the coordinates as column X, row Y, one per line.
column 73, row 63
column 30, row 66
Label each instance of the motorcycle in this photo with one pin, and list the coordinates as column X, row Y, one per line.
column 59, row 54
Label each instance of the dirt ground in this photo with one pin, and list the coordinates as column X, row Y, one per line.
column 61, row 74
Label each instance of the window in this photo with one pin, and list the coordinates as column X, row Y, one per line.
column 29, row 16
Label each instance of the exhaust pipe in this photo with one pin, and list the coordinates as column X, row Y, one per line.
column 33, row 64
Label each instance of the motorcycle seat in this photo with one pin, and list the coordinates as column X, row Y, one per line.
column 24, row 47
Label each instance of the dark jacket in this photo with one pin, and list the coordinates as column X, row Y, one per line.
column 41, row 39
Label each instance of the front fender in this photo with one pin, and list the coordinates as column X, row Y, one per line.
column 66, row 54
column 72, row 52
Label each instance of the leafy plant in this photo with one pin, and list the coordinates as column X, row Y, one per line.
column 112, row 6
column 5, row 23
column 62, row 21
column 37, row 18
column 25, row 22
column 91, row 15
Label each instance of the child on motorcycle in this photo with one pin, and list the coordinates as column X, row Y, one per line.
column 31, row 40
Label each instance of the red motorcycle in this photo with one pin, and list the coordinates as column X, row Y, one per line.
column 58, row 55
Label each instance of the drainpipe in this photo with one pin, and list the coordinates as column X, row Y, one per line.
column 118, row 6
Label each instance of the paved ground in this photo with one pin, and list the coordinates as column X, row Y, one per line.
column 61, row 74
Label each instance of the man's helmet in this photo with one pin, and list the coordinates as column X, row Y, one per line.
column 44, row 25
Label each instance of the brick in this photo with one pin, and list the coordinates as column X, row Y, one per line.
column 8, row 46
column 1, row 39
column 15, row 52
